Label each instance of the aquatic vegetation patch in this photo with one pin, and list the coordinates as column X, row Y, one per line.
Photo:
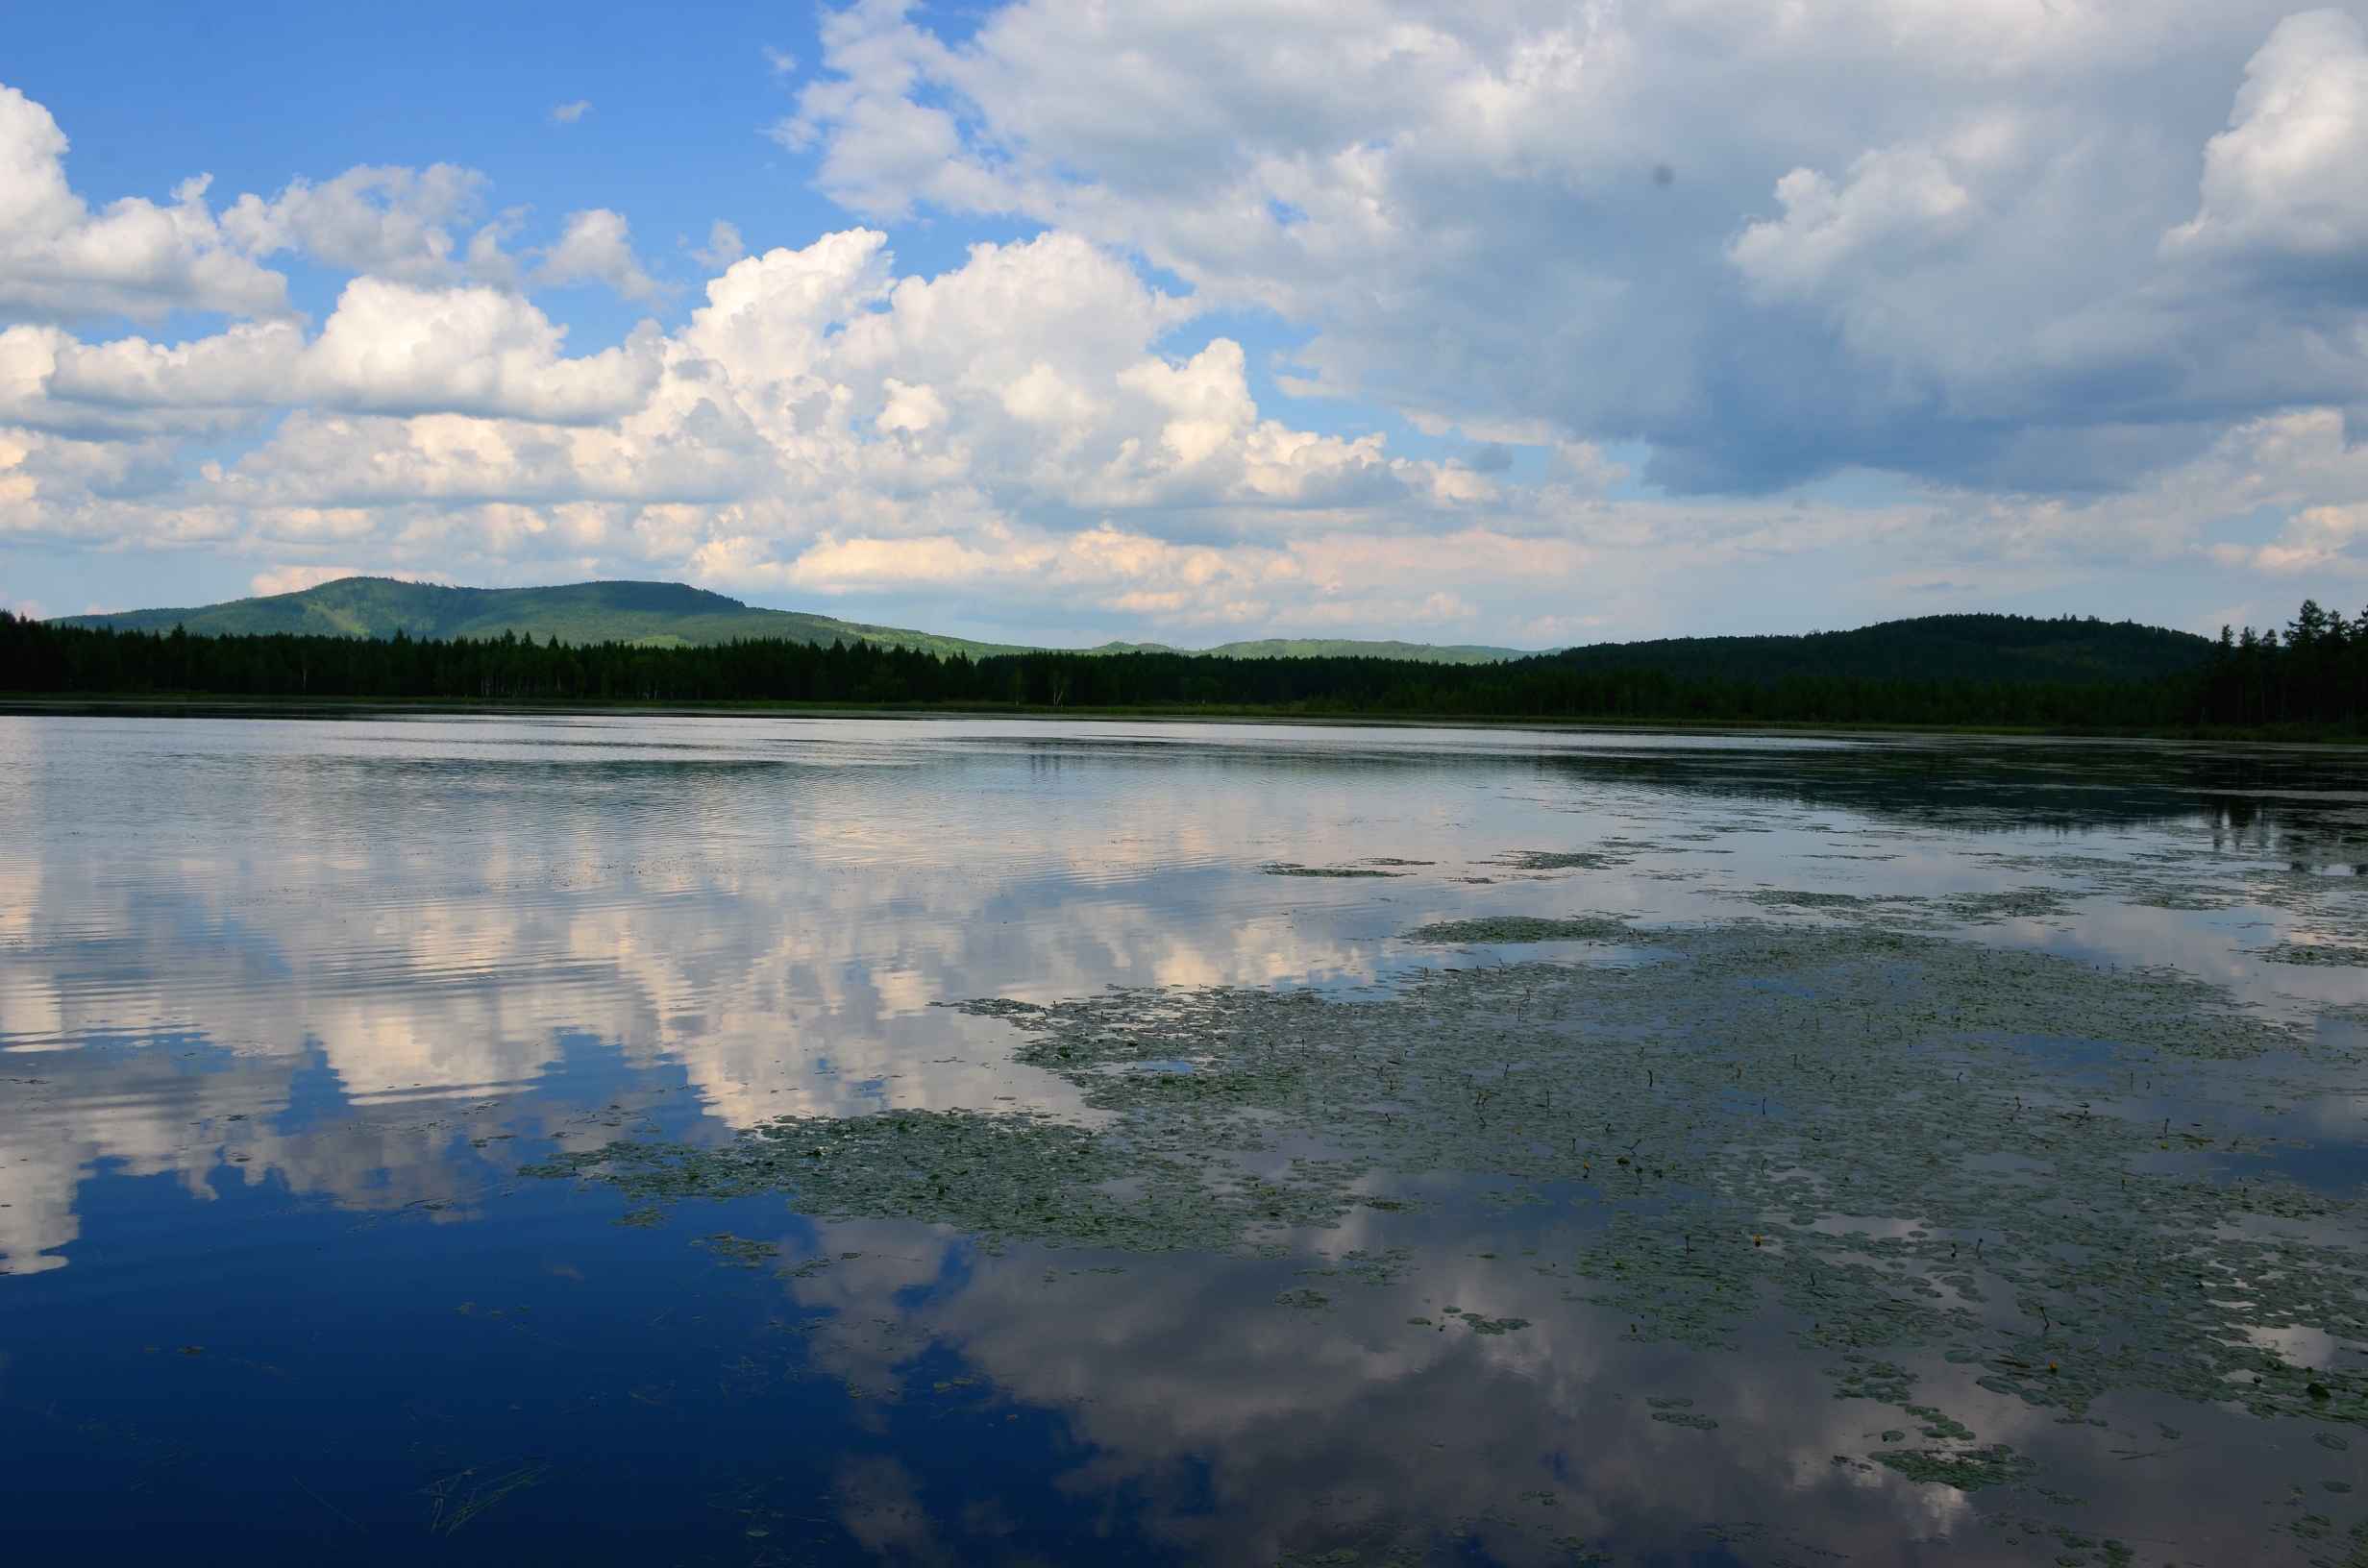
column 1551, row 860
column 2017, row 904
column 1284, row 867
column 1649, row 1270
column 1679, row 1413
column 1000, row 1178
column 1797, row 899
column 1859, row 1378
column 1881, row 1137
column 1368, row 1268
column 1518, row 928
column 737, row 1250
column 1997, row 1465
column 2316, row 953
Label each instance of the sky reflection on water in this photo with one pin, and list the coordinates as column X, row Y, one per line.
column 284, row 1006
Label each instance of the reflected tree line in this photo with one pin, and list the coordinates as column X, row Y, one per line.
column 2314, row 673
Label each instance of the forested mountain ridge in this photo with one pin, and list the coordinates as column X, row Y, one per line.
column 660, row 614
column 646, row 614
column 1978, row 648
column 2314, row 674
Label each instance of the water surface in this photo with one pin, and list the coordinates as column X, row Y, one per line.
column 702, row 1140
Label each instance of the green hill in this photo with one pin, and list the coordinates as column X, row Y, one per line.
column 662, row 614
column 1978, row 648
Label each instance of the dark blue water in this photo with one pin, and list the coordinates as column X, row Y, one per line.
column 285, row 1007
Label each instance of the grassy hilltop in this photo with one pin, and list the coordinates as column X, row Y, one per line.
column 653, row 614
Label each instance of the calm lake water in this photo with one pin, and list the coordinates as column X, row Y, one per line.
column 747, row 1141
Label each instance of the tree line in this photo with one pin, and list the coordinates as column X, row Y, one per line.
column 2314, row 673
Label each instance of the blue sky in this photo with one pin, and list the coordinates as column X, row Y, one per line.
column 1521, row 322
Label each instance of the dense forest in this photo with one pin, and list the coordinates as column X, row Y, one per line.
column 2314, row 673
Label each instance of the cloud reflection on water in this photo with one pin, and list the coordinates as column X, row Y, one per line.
column 768, row 907
column 373, row 961
column 1243, row 1428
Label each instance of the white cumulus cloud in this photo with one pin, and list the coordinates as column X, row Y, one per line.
column 61, row 261
column 391, row 222
column 387, row 347
column 1965, row 277
column 2290, row 174
column 1892, row 194
column 597, row 246
column 2061, row 294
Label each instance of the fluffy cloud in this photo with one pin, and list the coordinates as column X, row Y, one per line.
column 391, row 222
column 1976, row 272
column 1893, row 194
column 819, row 425
column 386, row 348
column 475, row 351
column 2059, row 292
column 597, row 246
column 808, row 380
column 61, row 261
column 2286, row 178
column 1004, row 435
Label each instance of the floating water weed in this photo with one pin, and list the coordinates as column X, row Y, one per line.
column 1997, row 1465
column 1859, row 1378
column 1679, row 1413
column 1522, row 928
column 1943, row 1170
column 2316, row 953
column 1557, row 859
column 737, row 1250
column 2020, row 904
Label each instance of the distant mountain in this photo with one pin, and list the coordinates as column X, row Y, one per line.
column 1977, row 648
column 659, row 614
column 1334, row 648
column 1980, row 648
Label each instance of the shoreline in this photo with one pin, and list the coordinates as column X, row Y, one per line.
column 198, row 705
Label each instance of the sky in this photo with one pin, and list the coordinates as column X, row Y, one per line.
column 1060, row 321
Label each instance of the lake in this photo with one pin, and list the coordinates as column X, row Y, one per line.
column 718, row 1140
